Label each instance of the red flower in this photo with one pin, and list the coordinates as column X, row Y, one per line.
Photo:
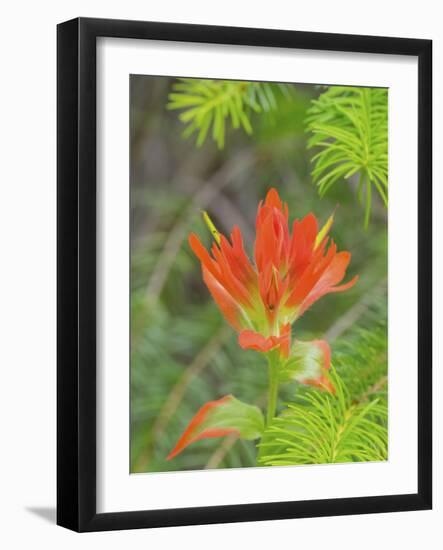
column 292, row 270
column 261, row 300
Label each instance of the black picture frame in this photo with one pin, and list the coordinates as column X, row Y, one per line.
column 76, row 279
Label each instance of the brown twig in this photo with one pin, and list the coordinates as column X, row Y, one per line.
column 354, row 313
column 221, row 451
column 225, row 209
column 175, row 396
column 225, row 176
column 178, row 391
column 374, row 388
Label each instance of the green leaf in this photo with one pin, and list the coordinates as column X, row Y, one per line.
column 219, row 418
column 349, row 130
column 217, row 102
column 351, row 425
column 322, row 429
column 308, row 363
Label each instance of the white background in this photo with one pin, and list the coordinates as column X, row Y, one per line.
column 27, row 306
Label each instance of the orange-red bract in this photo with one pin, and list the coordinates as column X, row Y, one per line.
column 194, row 432
column 316, row 356
column 221, row 417
column 291, row 271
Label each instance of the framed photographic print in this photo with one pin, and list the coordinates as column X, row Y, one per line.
column 244, row 274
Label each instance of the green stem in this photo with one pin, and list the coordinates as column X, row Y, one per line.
column 273, row 386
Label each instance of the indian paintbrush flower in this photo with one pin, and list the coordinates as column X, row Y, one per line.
column 262, row 299
column 291, row 272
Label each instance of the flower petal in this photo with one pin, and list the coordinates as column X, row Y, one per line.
column 230, row 308
column 304, row 233
column 203, row 255
column 273, row 199
column 310, row 276
column 320, row 277
column 219, row 418
column 248, row 339
column 333, row 275
column 272, row 233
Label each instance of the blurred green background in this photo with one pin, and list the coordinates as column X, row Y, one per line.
column 183, row 354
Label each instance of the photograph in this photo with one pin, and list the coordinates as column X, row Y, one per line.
column 258, row 274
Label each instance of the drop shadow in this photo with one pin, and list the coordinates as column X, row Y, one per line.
column 46, row 513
